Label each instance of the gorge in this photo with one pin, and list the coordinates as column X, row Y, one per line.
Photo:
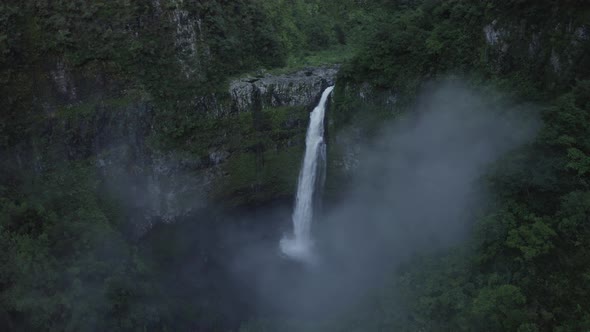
column 163, row 164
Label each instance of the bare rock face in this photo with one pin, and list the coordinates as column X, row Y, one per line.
column 301, row 88
column 162, row 186
column 506, row 39
column 63, row 81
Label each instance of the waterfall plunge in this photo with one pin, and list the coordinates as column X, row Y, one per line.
column 299, row 245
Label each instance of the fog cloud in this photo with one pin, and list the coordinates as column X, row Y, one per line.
column 418, row 187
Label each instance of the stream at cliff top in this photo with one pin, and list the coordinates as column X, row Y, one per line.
column 311, row 177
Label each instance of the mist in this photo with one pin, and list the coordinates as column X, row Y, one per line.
column 419, row 187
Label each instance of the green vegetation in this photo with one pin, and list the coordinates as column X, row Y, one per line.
column 526, row 269
column 336, row 54
column 64, row 256
column 70, row 261
column 266, row 147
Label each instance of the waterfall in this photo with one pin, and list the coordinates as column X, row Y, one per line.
column 299, row 245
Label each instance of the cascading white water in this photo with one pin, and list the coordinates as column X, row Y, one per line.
column 299, row 245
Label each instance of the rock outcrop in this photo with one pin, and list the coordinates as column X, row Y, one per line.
column 243, row 162
column 301, row 88
column 508, row 41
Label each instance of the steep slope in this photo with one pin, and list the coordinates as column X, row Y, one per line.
column 523, row 269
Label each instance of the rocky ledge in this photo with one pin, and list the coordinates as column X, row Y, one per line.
column 301, row 88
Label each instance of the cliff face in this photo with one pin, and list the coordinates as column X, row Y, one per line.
column 554, row 47
column 297, row 89
column 246, row 152
column 141, row 96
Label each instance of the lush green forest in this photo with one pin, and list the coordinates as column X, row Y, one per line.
column 525, row 268
column 71, row 256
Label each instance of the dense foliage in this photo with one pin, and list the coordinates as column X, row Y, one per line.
column 526, row 268
column 70, row 261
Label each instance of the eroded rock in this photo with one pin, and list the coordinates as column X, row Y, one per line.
column 301, row 88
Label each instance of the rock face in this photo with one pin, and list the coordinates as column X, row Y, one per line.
column 251, row 153
column 301, row 88
column 169, row 185
column 359, row 104
column 509, row 41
